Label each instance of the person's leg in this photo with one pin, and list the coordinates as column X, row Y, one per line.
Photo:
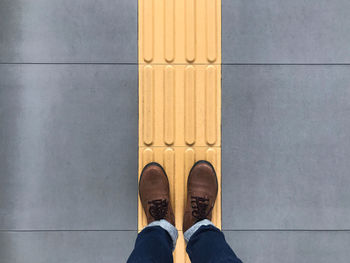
column 157, row 240
column 155, row 243
column 207, row 244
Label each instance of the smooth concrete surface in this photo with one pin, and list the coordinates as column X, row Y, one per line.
column 68, row 140
column 286, row 147
column 290, row 246
column 293, row 31
column 64, row 31
column 67, row 247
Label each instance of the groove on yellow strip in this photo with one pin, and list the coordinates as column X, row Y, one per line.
column 148, row 29
column 190, row 29
column 179, row 31
column 211, row 30
column 148, row 105
column 186, row 105
column 180, row 95
column 190, row 105
column 169, row 31
column 169, row 105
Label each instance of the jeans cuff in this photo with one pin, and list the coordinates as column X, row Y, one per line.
column 189, row 232
column 167, row 227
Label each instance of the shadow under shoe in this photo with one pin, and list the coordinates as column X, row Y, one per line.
column 154, row 194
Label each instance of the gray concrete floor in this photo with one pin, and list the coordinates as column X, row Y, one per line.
column 68, row 130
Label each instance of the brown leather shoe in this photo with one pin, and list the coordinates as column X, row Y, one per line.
column 202, row 189
column 154, row 193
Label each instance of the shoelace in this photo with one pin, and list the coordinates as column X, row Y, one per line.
column 158, row 208
column 199, row 207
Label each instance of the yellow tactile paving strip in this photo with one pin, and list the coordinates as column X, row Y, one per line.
column 180, row 31
column 180, row 95
column 179, row 105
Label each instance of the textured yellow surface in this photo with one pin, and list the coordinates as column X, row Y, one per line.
column 179, row 105
column 180, row 95
column 180, row 31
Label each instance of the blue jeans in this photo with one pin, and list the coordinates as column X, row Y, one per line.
column 206, row 245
